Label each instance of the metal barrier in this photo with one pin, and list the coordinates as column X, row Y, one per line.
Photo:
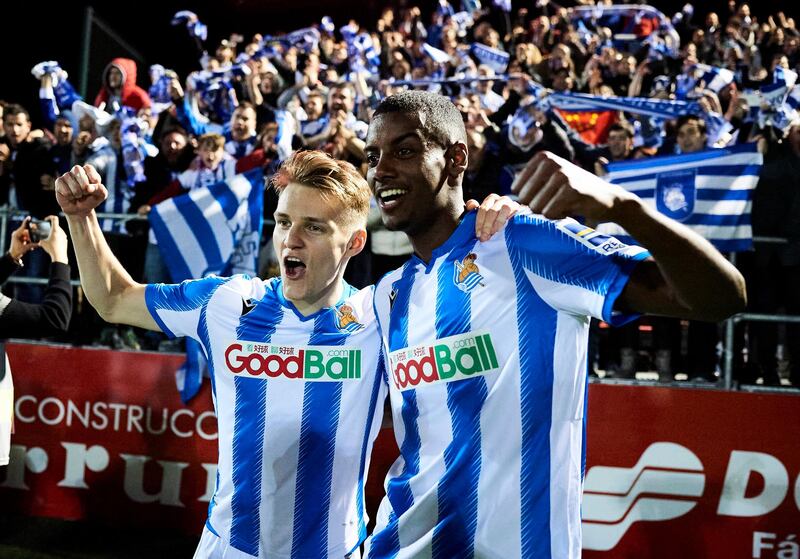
column 730, row 324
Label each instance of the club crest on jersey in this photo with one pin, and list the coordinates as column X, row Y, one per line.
column 446, row 360
column 466, row 274
column 346, row 319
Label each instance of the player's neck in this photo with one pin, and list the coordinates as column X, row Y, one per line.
column 431, row 236
column 328, row 297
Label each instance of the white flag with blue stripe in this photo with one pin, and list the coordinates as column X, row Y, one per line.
column 495, row 59
column 714, row 77
column 437, row 55
column 214, row 230
column 708, row 191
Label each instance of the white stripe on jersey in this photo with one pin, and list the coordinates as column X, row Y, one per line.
column 290, row 470
column 503, row 461
column 566, row 434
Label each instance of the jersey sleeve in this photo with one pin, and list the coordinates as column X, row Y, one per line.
column 177, row 307
column 572, row 267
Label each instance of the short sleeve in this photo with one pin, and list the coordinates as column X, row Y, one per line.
column 574, row 268
column 177, row 307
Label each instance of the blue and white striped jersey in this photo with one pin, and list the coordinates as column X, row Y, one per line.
column 299, row 402
column 486, row 354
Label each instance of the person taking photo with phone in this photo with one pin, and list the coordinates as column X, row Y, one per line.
column 26, row 320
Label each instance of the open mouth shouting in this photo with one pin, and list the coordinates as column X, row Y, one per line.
column 389, row 198
column 294, row 268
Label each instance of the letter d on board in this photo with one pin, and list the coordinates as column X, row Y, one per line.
column 741, row 466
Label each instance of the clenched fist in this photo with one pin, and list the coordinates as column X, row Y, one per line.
column 556, row 188
column 79, row 191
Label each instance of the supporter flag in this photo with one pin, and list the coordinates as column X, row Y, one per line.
column 591, row 125
column 784, row 77
column 504, row 5
column 708, row 191
column 495, row 59
column 210, row 230
column 715, row 78
column 793, row 100
column 470, row 5
column 437, row 55
column 193, row 24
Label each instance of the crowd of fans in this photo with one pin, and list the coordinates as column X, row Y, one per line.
column 252, row 103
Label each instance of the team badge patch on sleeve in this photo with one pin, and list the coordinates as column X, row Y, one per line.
column 589, row 237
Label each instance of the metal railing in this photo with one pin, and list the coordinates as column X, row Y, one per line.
column 729, row 325
column 7, row 214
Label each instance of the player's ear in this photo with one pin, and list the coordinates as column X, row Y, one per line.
column 358, row 240
column 456, row 159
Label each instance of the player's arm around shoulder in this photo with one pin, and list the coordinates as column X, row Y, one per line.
column 686, row 277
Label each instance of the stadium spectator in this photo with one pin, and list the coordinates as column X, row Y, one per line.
column 119, row 87
column 319, row 89
column 25, row 184
column 61, row 151
column 24, row 163
column 25, row 320
column 241, row 139
column 776, row 267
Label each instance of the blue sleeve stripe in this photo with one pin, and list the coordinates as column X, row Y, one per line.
column 615, row 290
column 151, row 298
column 543, row 249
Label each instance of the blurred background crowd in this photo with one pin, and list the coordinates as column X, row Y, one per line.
column 249, row 101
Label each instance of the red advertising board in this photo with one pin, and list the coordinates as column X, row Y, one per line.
column 103, row 434
column 671, row 472
column 691, row 473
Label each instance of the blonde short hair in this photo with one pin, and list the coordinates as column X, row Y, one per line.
column 211, row 141
column 336, row 178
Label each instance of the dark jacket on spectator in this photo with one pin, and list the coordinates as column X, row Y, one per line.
column 30, row 162
column 27, row 320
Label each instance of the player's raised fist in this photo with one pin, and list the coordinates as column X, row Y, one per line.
column 79, row 190
column 556, row 188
